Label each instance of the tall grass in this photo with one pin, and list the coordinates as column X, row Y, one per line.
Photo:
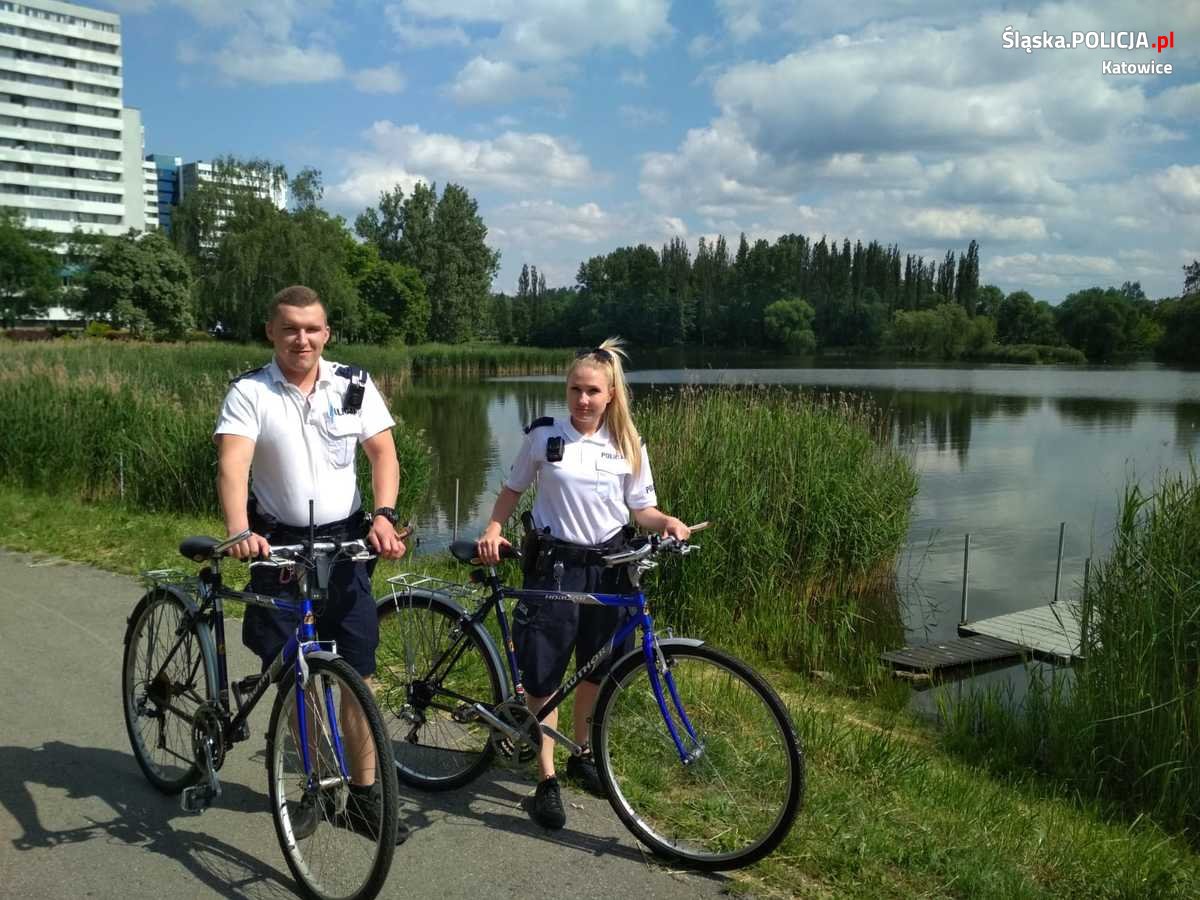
column 811, row 507
column 1126, row 728
column 133, row 424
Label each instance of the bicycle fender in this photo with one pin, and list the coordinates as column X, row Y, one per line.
column 665, row 644
column 437, row 598
column 208, row 649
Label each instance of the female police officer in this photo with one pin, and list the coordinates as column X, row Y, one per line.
column 592, row 472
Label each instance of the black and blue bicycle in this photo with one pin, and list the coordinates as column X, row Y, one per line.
column 697, row 753
column 326, row 739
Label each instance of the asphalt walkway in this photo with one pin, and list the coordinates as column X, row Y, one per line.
column 78, row 819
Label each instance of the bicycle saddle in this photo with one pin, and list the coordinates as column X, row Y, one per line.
column 198, row 549
column 467, row 552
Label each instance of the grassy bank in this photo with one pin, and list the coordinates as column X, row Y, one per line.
column 889, row 813
column 1126, row 728
column 812, row 508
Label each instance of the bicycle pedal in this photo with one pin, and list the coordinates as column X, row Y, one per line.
column 244, row 688
column 197, row 798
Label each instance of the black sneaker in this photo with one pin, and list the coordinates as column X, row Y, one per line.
column 582, row 771
column 305, row 817
column 364, row 812
column 547, row 806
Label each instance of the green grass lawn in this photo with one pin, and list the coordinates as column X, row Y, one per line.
column 888, row 811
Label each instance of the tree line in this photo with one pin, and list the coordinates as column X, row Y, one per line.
column 798, row 294
column 417, row 267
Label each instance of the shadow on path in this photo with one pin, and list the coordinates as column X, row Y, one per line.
column 492, row 802
column 142, row 816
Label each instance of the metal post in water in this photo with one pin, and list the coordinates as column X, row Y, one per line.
column 962, row 619
column 456, row 509
column 1085, row 614
column 1062, row 533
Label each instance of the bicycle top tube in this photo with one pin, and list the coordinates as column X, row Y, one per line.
column 579, row 598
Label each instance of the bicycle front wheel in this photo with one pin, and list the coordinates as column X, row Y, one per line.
column 167, row 672
column 736, row 797
column 338, row 841
column 431, row 672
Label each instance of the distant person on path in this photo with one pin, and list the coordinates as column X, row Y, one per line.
column 292, row 428
column 592, row 471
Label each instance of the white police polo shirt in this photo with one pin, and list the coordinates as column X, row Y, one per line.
column 585, row 497
column 303, row 446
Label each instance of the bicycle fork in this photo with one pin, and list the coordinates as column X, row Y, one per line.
column 659, row 672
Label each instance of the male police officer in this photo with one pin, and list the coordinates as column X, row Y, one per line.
column 296, row 422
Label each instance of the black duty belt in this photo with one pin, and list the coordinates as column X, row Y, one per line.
column 351, row 528
column 581, row 554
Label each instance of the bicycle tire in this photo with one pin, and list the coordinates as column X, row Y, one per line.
column 165, row 676
column 346, row 857
column 736, row 801
column 436, row 748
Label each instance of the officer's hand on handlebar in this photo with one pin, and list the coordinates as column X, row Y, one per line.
column 675, row 528
column 489, row 545
column 385, row 540
column 254, row 546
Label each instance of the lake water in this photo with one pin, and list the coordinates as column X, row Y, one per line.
column 1005, row 453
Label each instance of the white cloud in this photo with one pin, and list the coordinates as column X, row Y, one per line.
column 515, row 162
column 541, row 31
column 641, row 116
column 700, row 46
column 742, row 18
column 415, row 35
column 1179, row 187
column 484, row 81
column 245, row 59
column 634, row 77
column 380, row 80
column 963, row 224
column 1182, row 102
column 361, row 188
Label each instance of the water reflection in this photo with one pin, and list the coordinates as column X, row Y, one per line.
column 1004, row 453
column 1092, row 413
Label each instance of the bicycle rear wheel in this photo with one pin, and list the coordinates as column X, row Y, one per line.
column 347, row 853
column 166, row 674
column 439, row 741
column 735, row 800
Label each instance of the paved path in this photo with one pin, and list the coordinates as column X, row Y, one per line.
column 78, row 819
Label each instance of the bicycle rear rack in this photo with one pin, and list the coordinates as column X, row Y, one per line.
column 160, row 577
column 406, row 582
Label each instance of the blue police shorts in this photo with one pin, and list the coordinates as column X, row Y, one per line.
column 346, row 616
column 545, row 632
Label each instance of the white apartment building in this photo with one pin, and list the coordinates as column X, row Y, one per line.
column 150, row 192
column 194, row 174
column 70, row 153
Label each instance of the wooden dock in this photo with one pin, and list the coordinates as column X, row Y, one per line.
column 950, row 654
column 1048, row 632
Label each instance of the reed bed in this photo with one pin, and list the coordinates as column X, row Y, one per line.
column 1125, row 728
column 133, row 424
column 810, row 507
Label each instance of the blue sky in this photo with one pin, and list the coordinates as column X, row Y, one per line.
column 583, row 125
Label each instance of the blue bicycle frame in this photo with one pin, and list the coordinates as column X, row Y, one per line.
column 299, row 645
column 652, row 658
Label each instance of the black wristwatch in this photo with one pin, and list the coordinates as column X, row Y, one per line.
column 388, row 513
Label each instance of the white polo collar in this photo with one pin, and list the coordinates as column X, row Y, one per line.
column 324, row 372
column 599, row 436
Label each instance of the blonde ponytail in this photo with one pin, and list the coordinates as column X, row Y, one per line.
column 618, row 417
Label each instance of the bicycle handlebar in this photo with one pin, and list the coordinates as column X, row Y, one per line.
column 655, row 545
